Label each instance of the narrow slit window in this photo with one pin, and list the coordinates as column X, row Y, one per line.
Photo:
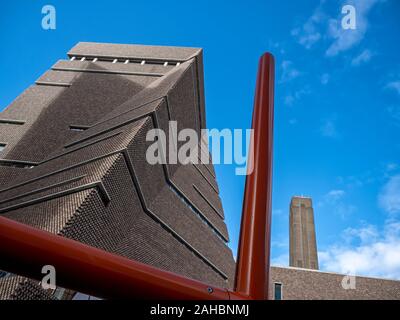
column 78, row 128
column 10, row 121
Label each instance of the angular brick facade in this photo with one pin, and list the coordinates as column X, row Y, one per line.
column 74, row 162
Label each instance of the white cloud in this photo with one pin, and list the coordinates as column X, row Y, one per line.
column 321, row 26
column 291, row 98
column 344, row 39
column 334, row 202
column 276, row 47
column 334, row 194
column 368, row 250
column 389, row 197
column 394, row 85
column 325, row 78
column 377, row 254
column 365, row 234
column 288, row 71
column 363, row 57
column 309, row 33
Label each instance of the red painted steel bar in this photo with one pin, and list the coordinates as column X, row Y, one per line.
column 24, row 250
column 252, row 271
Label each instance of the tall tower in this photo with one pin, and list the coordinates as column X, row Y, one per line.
column 73, row 162
column 303, row 244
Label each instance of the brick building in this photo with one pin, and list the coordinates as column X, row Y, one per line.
column 290, row 283
column 72, row 162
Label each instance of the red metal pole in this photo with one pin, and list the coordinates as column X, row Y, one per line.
column 252, row 270
column 24, row 250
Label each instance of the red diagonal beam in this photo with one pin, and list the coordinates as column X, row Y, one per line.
column 24, row 250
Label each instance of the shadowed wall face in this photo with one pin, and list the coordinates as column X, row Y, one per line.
column 303, row 245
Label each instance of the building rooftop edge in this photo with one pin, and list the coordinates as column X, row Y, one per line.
column 302, row 197
column 334, row 273
column 138, row 51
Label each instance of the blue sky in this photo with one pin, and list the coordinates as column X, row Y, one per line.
column 337, row 104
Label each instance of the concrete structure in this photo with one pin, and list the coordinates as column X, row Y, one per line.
column 306, row 284
column 72, row 162
column 303, row 244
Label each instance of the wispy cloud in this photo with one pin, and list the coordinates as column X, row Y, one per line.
column 394, row 85
column 389, row 197
column 291, row 98
column 308, row 34
column 328, row 129
column 276, row 47
column 366, row 251
column 344, row 39
column 327, row 27
column 352, row 182
column 334, row 201
column 289, row 72
column 379, row 174
column 364, row 234
column 363, row 57
column 293, row 121
column 334, row 195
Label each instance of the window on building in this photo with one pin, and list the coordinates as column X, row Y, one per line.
column 277, row 291
column 2, row 146
column 78, row 128
column 10, row 121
